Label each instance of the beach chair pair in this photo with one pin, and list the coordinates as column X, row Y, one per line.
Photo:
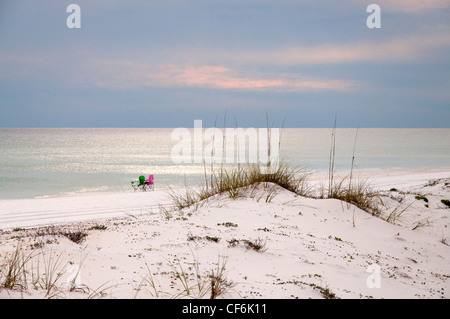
column 144, row 184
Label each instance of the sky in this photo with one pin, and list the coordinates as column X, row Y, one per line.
column 167, row 63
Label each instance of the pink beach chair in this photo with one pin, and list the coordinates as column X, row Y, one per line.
column 150, row 183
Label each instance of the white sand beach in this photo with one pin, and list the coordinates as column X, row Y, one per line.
column 288, row 246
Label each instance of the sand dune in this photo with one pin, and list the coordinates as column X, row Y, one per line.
column 287, row 246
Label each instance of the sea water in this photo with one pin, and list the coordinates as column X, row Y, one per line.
column 37, row 162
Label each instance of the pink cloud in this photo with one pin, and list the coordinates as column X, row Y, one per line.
column 397, row 50
column 129, row 75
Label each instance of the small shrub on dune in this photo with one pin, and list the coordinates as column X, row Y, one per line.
column 446, row 202
column 420, row 197
column 76, row 236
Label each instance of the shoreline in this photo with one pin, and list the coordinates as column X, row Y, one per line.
column 73, row 207
column 370, row 174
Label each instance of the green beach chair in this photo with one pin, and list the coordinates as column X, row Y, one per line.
column 139, row 184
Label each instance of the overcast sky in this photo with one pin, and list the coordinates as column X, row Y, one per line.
column 166, row 63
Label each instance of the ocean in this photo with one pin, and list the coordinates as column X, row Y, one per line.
column 40, row 162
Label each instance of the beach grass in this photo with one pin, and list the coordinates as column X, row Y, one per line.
column 14, row 269
column 358, row 193
column 246, row 180
column 237, row 180
column 194, row 282
column 45, row 271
